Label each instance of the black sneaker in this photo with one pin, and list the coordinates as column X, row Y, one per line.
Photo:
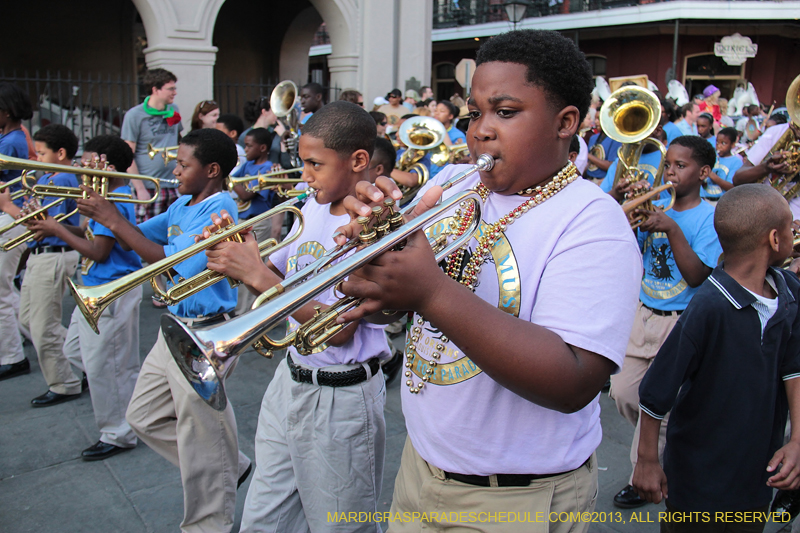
column 786, row 501
column 628, row 498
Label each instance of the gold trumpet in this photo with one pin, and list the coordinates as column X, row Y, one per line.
column 630, row 115
column 207, row 355
column 282, row 186
column 22, row 181
column 788, row 184
column 93, row 300
column 39, row 213
column 641, row 197
column 98, row 181
column 167, row 152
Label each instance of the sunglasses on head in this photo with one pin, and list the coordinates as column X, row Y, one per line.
column 207, row 102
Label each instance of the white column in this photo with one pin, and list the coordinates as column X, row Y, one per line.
column 378, row 61
column 416, row 47
column 179, row 34
column 343, row 21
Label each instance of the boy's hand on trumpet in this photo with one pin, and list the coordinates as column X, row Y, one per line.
column 99, row 209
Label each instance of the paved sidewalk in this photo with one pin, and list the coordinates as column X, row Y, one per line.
column 46, row 488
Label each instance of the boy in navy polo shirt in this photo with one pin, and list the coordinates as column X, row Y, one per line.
column 727, row 373
column 110, row 360
column 165, row 411
column 721, row 178
column 51, row 264
column 679, row 249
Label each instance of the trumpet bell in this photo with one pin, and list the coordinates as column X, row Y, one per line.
column 630, row 114
column 422, row 133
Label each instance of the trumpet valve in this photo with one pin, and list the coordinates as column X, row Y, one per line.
column 394, row 217
column 382, row 224
column 367, row 235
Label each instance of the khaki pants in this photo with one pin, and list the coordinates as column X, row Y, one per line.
column 111, row 363
column 169, row 416
column 9, row 297
column 40, row 311
column 422, row 488
column 648, row 334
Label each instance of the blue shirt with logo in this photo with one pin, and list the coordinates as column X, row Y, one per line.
column 119, row 261
column 607, row 149
column 13, row 144
column 175, row 230
column 67, row 206
column 725, row 168
column 663, row 286
column 263, row 200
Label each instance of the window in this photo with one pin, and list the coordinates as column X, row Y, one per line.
column 444, row 80
column 597, row 64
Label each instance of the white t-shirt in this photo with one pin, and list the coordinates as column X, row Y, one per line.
column 369, row 340
column 765, row 307
column 571, row 265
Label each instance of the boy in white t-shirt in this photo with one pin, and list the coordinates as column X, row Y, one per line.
column 510, row 347
column 321, row 432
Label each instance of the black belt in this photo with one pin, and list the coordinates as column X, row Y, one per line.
column 333, row 379
column 50, row 249
column 659, row 312
column 204, row 321
column 503, row 480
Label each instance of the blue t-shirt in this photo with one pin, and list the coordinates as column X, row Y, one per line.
column 263, row 200
column 672, row 131
column 13, row 144
column 663, row 286
column 607, row 150
column 456, row 135
column 119, row 261
column 713, row 141
column 426, row 161
column 725, row 168
column 686, row 129
column 67, row 206
column 176, row 230
column 648, row 163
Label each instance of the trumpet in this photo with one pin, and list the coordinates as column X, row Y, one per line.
column 93, row 300
column 630, row 115
column 207, row 355
column 641, row 197
column 39, row 213
column 98, row 181
column 282, row 186
column 21, row 180
column 167, row 152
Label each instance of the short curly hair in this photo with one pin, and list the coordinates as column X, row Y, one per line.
column 702, row 151
column 212, row 146
column 58, row 136
column 554, row 63
column 117, row 151
column 343, row 127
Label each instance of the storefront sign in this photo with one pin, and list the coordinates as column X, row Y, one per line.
column 735, row 49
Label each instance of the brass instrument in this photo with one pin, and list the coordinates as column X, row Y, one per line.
column 282, row 186
column 93, row 300
column 420, row 135
column 207, row 355
column 788, row 184
column 629, row 116
column 169, row 153
column 283, row 102
column 24, row 191
column 39, row 213
column 641, row 197
column 98, row 181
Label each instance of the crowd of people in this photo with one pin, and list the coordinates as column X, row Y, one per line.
column 689, row 318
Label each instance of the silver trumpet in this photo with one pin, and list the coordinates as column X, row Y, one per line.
column 206, row 356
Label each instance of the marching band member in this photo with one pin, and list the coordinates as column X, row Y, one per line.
column 51, row 264
column 165, row 412
column 503, row 378
column 109, row 360
column 321, row 432
column 14, row 108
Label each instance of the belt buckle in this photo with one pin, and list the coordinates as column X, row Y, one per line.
column 294, row 371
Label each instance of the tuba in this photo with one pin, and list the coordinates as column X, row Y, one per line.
column 788, row 144
column 422, row 136
column 283, row 102
column 206, row 356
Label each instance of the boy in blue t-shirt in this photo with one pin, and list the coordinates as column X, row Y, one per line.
column 51, row 263
column 257, row 143
column 110, row 360
column 165, row 411
column 679, row 249
column 603, row 151
column 721, row 177
column 648, row 162
column 15, row 106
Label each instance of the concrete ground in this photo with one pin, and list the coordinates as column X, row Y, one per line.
column 46, row 488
